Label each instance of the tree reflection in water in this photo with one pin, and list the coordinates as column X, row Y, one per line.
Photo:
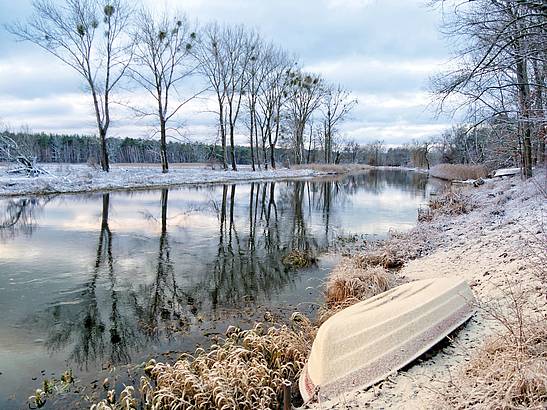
column 79, row 326
column 19, row 215
column 163, row 307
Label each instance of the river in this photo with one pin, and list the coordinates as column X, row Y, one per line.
column 93, row 281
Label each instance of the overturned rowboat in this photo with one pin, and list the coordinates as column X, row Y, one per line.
column 365, row 343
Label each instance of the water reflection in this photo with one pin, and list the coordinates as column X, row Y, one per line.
column 19, row 216
column 88, row 329
column 112, row 277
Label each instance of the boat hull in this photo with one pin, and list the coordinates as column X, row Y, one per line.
column 370, row 340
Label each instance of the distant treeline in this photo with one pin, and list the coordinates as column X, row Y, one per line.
column 51, row 148
column 82, row 148
column 458, row 146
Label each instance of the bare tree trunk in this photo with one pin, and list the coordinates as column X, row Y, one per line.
column 232, row 147
column 105, row 165
column 222, row 133
column 273, row 142
column 264, row 153
column 309, row 145
column 251, row 141
column 163, row 147
column 539, row 78
column 300, row 143
column 524, row 94
column 257, row 150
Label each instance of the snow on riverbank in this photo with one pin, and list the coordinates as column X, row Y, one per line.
column 68, row 178
column 488, row 247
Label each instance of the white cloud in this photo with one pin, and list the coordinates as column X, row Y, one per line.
column 383, row 51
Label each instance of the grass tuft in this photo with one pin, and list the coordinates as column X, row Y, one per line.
column 297, row 259
column 351, row 282
column 451, row 202
column 247, row 370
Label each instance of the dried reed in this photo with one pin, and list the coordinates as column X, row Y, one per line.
column 353, row 281
column 245, row 371
column 450, row 202
column 460, row 172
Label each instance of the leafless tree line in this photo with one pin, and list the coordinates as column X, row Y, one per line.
column 499, row 73
column 256, row 86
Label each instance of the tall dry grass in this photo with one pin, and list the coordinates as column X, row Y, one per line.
column 245, row 371
column 352, row 281
column 459, row 172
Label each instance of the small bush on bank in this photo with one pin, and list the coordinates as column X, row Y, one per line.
column 458, row 172
column 386, row 258
column 297, row 259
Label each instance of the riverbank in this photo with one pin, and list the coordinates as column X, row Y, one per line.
column 73, row 178
column 493, row 236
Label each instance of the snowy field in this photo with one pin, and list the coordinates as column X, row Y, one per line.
column 66, row 178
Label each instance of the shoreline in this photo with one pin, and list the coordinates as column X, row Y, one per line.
column 81, row 178
column 487, row 247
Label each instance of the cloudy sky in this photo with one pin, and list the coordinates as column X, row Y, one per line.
column 384, row 51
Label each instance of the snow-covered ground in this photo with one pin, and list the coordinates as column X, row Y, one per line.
column 67, row 178
column 488, row 247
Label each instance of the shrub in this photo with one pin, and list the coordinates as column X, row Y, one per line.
column 297, row 259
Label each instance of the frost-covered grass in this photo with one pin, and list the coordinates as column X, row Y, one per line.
column 68, row 178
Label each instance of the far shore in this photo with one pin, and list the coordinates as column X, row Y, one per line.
column 82, row 178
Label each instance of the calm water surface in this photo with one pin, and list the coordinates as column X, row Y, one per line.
column 89, row 282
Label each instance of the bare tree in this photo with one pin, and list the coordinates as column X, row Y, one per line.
column 11, row 151
column 419, row 152
column 239, row 52
column 90, row 37
column 336, row 105
column 212, row 66
column 225, row 54
column 352, row 148
column 273, row 94
column 162, row 61
column 305, row 96
column 257, row 73
column 503, row 39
